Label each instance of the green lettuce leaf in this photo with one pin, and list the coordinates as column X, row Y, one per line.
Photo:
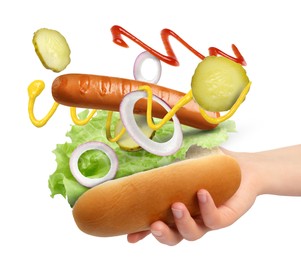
column 95, row 164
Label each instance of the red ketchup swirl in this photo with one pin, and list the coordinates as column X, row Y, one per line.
column 171, row 58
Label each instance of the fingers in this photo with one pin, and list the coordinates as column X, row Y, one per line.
column 190, row 228
column 213, row 217
column 165, row 234
column 210, row 214
column 186, row 227
column 135, row 237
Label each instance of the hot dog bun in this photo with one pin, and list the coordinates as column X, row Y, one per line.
column 132, row 203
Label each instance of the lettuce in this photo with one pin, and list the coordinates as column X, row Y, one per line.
column 95, row 164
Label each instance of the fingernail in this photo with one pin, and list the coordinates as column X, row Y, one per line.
column 177, row 213
column 156, row 233
column 202, row 196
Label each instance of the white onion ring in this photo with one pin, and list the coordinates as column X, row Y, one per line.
column 89, row 182
column 128, row 119
column 137, row 71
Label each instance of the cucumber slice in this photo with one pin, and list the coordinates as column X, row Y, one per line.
column 217, row 83
column 126, row 142
column 52, row 49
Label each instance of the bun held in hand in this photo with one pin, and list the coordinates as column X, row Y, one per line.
column 133, row 203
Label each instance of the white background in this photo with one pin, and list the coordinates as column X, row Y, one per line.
column 34, row 226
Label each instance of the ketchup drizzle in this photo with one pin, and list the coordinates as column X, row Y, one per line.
column 171, row 58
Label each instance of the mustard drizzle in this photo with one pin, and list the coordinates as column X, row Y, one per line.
column 37, row 86
column 78, row 121
column 34, row 90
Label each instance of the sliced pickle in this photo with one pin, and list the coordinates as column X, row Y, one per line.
column 217, row 83
column 52, row 49
column 126, row 142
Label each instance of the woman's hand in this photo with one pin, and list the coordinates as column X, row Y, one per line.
column 210, row 217
column 275, row 172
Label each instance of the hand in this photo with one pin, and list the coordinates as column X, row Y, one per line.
column 210, row 217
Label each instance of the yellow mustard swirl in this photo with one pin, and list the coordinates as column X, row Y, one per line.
column 34, row 90
column 186, row 99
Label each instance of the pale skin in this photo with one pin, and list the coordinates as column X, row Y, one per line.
column 276, row 172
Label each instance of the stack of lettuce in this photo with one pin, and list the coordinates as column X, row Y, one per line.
column 95, row 164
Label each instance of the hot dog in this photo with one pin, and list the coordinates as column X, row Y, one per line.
column 103, row 92
column 130, row 204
